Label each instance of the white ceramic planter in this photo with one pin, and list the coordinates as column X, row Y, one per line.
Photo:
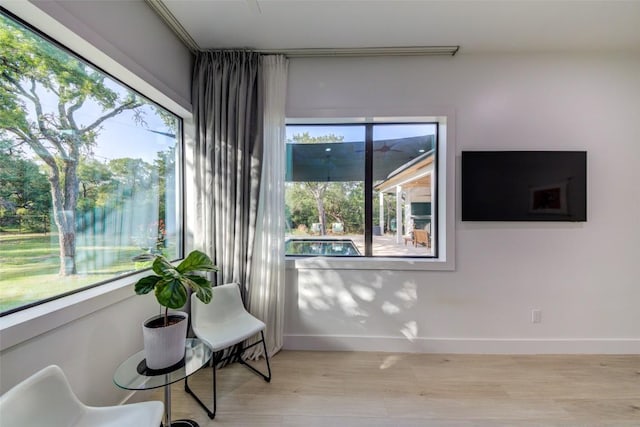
column 165, row 346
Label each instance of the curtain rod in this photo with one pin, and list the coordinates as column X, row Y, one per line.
column 172, row 22
column 362, row 52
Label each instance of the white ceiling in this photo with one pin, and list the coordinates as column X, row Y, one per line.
column 477, row 26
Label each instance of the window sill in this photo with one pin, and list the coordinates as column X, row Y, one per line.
column 23, row 325
column 378, row 263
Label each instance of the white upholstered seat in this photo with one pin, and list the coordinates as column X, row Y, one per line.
column 45, row 399
column 224, row 323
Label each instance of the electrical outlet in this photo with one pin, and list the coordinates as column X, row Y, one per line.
column 536, row 315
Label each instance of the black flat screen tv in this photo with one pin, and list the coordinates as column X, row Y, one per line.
column 524, row 185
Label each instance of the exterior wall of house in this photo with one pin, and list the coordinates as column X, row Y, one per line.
column 89, row 335
column 582, row 276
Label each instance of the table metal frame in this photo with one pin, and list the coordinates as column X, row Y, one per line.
column 131, row 375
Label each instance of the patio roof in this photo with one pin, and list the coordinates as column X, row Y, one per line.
column 416, row 173
column 344, row 161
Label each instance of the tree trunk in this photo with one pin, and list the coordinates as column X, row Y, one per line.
column 67, row 252
column 65, row 222
column 318, row 190
column 321, row 216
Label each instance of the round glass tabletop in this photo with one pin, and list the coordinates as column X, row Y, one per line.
column 133, row 374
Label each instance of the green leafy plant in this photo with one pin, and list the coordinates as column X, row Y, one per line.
column 170, row 283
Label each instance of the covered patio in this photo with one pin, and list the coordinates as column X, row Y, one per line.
column 387, row 245
column 413, row 186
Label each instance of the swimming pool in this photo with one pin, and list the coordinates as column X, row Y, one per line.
column 329, row 247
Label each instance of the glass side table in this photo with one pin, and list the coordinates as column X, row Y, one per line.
column 133, row 374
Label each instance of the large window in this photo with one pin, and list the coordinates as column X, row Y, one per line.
column 362, row 189
column 90, row 173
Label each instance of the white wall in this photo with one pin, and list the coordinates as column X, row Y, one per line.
column 582, row 276
column 129, row 32
column 90, row 338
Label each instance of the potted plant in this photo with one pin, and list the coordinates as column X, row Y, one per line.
column 165, row 334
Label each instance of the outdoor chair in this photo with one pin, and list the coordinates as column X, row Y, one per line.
column 45, row 399
column 222, row 324
column 421, row 237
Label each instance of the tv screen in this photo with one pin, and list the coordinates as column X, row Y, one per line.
column 524, row 186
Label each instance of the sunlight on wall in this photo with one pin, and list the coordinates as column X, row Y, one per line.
column 349, row 305
column 324, row 294
column 390, row 308
column 364, row 293
column 311, row 297
column 410, row 330
column 408, row 294
column 329, row 301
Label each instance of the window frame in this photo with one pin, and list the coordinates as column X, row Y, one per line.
column 368, row 183
column 75, row 296
column 444, row 259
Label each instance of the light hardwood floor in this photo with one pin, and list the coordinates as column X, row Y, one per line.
column 383, row 389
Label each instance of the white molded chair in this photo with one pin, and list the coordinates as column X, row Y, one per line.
column 45, row 399
column 221, row 324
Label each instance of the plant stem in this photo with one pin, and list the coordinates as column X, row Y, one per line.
column 166, row 316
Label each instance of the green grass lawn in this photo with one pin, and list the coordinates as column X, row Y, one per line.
column 29, row 265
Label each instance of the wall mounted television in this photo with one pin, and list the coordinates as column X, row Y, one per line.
column 524, row 185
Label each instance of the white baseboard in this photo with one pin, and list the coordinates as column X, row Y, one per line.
column 463, row 345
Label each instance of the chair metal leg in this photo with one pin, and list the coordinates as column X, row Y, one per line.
column 237, row 354
column 267, row 378
column 210, row 413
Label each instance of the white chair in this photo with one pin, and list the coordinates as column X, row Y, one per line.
column 221, row 324
column 45, row 399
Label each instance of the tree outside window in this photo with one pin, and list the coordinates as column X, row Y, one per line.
column 89, row 172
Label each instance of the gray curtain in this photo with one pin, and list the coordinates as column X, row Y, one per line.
column 227, row 110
